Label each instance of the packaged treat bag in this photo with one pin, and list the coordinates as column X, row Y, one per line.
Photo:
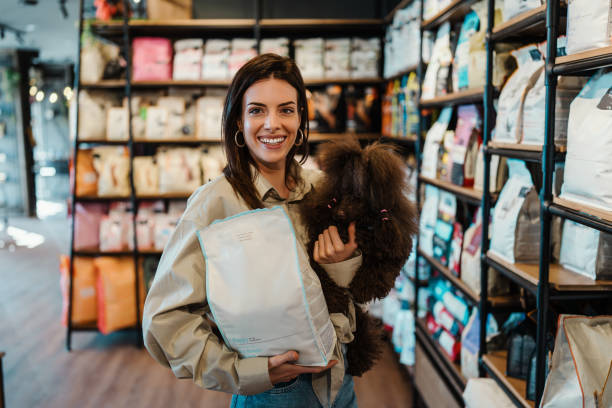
column 116, row 293
column 215, row 63
column 188, row 55
column 87, row 225
column 449, row 343
column 588, row 169
column 433, row 139
column 515, row 230
column 179, row 170
column 175, row 123
column 438, row 70
column 470, row 26
column 156, row 123
column 443, row 233
column 112, row 165
column 86, row 175
column 212, row 167
column 151, row 59
column 84, row 306
column 586, row 251
column 278, row 46
column 291, row 313
column 513, row 8
column 429, row 216
column 454, row 257
column 468, row 138
column 589, row 25
column 309, row 57
column 146, row 176
column 209, row 112
column 337, row 58
column 485, row 393
column 498, row 172
column 93, row 107
column 117, row 124
column 581, row 364
column 243, row 49
column 445, row 319
column 512, row 96
column 470, row 342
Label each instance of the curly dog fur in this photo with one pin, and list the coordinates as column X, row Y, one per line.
column 368, row 186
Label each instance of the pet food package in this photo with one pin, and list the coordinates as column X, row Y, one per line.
column 485, row 393
column 212, row 161
column 534, row 109
column 146, row 175
column 445, row 163
column 84, row 306
column 512, row 96
column 117, row 124
column 445, row 319
column 215, row 61
column 365, row 55
column 515, row 230
column 87, row 225
column 588, row 169
column 309, row 57
column 337, row 58
column 188, row 55
column 326, row 109
column 461, row 63
column 362, row 109
column 450, row 344
column 454, row 257
column 438, row 70
column 115, row 229
column 498, row 172
column 443, row 233
column 581, row 363
column 292, row 313
column 404, row 29
column 513, row 8
column 432, row 143
column 429, row 216
column 586, row 251
column 278, row 46
column 116, row 293
column 175, row 122
column 112, row 165
column 470, row 342
column 465, row 146
column 157, row 123
column 179, row 170
column 92, row 114
column 86, row 176
column 243, row 49
column 151, row 59
column 209, row 113
column 589, row 25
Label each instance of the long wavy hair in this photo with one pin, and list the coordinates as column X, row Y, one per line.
column 238, row 169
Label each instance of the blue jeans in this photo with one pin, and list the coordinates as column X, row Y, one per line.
column 297, row 393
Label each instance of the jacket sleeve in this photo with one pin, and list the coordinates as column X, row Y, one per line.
column 343, row 272
column 176, row 332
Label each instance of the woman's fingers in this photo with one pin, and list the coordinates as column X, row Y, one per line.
column 329, row 247
column 280, row 359
column 335, row 239
column 317, row 258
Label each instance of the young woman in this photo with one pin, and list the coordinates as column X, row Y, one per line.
column 264, row 126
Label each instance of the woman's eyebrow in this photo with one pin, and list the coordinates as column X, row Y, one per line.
column 287, row 103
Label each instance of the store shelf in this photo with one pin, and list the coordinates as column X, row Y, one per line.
column 399, row 140
column 451, row 370
column 85, row 327
column 453, row 12
column 466, row 194
column 402, row 4
column 469, row 294
column 560, row 278
column 185, row 141
column 583, row 62
column 322, row 137
column 101, row 199
column 319, row 23
column 97, row 252
column 164, row 196
column 403, row 72
column 103, row 142
column 495, row 365
column 104, row 84
column 529, row 24
column 582, row 214
column 455, row 98
column 330, row 81
column 531, row 153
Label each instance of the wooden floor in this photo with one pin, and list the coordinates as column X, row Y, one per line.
column 106, row 371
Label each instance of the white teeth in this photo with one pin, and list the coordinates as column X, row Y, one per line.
column 272, row 141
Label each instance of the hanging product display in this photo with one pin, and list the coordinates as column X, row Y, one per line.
column 589, row 25
column 586, row 251
column 588, row 170
column 515, row 230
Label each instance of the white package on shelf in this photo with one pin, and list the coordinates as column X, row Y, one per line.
column 156, row 127
column 586, row 251
column 278, row 46
column 513, row 8
column 179, row 170
column 93, row 106
column 209, row 112
column 436, row 76
column 588, row 168
column 112, row 165
column 512, row 96
column 365, row 54
column 175, row 106
column 433, row 140
column 243, row 49
column 215, row 60
column 589, row 25
column 117, row 124
column 309, row 57
column 429, row 216
column 146, row 175
column 187, row 63
column 461, row 63
column 485, row 393
column 337, row 58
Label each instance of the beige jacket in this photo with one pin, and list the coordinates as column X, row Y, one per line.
column 176, row 332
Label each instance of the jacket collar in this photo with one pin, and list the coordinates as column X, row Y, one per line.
column 269, row 194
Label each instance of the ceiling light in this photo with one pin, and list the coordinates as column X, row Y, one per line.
column 33, row 90
column 53, row 97
column 40, row 95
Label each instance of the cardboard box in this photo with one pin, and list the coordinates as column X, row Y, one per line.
column 169, row 9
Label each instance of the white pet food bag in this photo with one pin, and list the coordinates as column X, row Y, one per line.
column 586, row 251
column 589, row 25
column 485, row 393
column 112, row 165
column 432, row 143
column 470, row 26
column 513, row 8
column 507, row 125
column 175, row 106
column 438, row 70
column 179, row 170
column 429, row 216
column 281, row 303
column 93, row 106
column 515, row 230
column 588, row 168
column 146, row 175
column 581, row 364
column 498, row 172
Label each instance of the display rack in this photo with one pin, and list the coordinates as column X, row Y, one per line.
column 122, row 33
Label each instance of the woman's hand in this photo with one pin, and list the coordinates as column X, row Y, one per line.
column 281, row 370
column 330, row 248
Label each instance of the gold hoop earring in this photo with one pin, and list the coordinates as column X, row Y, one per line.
column 301, row 139
column 236, row 139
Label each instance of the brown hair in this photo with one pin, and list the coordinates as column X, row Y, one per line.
column 238, row 170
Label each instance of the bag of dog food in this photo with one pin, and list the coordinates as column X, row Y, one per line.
column 470, row 342
column 465, row 147
column 513, row 8
column 87, row 224
column 427, row 222
column 291, row 313
column 470, row 26
column 209, row 110
column 146, row 176
column 86, row 175
column 179, row 170
column 438, row 70
column 485, row 393
column 445, row 163
column 586, row 251
column 530, row 64
column 588, row 168
column 93, row 106
column 431, row 149
column 498, row 173
column 84, row 306
column 113, row 166
column 116, row 293
column 443, row 233
column 515, row 230
column 589, row 25
column 117, row 124
column 175, row 124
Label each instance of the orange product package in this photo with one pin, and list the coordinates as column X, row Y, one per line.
column 116, row 295
column 86, row 175
column 84, row 306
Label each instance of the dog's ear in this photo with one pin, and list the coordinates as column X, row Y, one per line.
column 344, row 164
column 335, row 155
column 386, row 174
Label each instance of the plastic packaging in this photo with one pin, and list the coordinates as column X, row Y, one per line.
column 465, row 146
column 470, row 26
column 586, row 251
column 188, row 55
column 589, row 25
column 116, row 294
column 179, row 170
column 84, row 306
column 152, row 59
column 432, row 143
column 438, row 70
column 427, row 222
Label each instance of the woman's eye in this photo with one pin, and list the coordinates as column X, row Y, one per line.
column 288, row 111
column 254, row 111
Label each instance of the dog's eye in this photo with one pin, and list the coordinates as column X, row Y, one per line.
column 341, row 213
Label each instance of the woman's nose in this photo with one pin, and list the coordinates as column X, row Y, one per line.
column 271, row 121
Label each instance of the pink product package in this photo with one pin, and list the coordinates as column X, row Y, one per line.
column 87, row 225
column 152, row 59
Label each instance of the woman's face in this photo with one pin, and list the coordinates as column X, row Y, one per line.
column 270, row 121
